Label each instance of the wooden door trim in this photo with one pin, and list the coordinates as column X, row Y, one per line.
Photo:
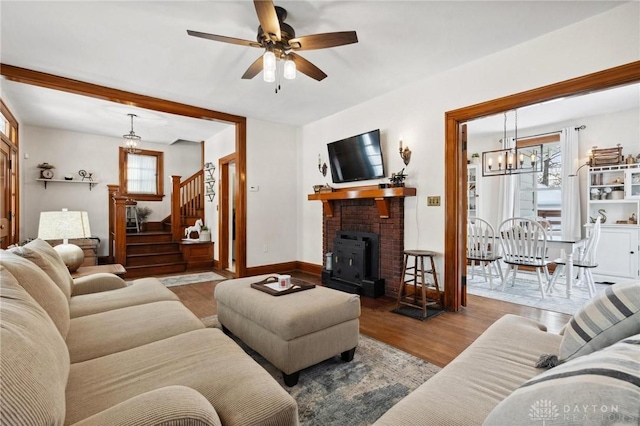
column 456, row 157
column 50, row 81
column 13, row 142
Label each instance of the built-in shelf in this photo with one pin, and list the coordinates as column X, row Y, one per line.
column 91, row 183
column 380, row 195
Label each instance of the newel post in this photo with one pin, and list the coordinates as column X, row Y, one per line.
column 113, row 192
column 120, row 229
column 176, row 220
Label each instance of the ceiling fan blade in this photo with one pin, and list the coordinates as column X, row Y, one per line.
column 253, row 69
column 268, row 18
column 307, row 67
column 224, row 39
column 322, row 41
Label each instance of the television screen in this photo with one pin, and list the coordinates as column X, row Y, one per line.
column 356, row 158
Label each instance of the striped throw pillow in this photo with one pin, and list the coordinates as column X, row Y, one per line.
column 605, row 319
column 602, row 388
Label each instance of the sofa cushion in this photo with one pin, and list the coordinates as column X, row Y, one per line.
column 470, row 386
column 40, row 287
column 42, row 254
column 93, row 336
column 241, row 392
column 141, row 291
column 610, row 316
column 34, row 362
column 598, row 388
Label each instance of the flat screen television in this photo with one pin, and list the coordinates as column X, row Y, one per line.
column 356, row 158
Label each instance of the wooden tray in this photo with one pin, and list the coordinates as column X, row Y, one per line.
column 296, row 286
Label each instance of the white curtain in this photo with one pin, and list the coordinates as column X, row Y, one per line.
column 571, row 200
column 141, row 174
column 509, row 201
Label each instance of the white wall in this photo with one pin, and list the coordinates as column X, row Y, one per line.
column 216, row 147
column 417, row 112
column 70, row 152
column 272, row 164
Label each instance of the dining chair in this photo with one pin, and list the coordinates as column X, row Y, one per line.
column 482, row 248
column 524, row 243
column 585, row 263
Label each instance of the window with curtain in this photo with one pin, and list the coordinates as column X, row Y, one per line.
column 541, row 192
column 141, row 174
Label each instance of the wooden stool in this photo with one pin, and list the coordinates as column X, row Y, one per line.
column 418, row 274
column 132, row 218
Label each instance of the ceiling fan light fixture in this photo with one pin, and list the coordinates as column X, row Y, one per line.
column 269, row 61
column 289, row 69
column 269, row 75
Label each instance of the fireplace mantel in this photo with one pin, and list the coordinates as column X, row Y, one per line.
column 380, row 195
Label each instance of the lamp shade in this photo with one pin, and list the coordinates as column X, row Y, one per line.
column 63, row 225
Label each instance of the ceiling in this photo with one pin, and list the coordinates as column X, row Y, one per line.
column 143, row 47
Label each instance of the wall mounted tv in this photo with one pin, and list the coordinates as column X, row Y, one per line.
column 356, row 158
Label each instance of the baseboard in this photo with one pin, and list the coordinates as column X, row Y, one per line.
column 272, row 269
column 309, row 268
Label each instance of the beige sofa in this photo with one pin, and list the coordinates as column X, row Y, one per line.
column 495, row 380
column 94, row 351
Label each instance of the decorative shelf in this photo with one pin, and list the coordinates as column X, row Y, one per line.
column 380, row 195
column 91, row 183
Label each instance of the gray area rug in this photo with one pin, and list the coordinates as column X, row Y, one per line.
column 175, row 280
column 526, row 292
column 338, row 393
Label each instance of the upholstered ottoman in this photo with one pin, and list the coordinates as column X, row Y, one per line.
column 292, row 331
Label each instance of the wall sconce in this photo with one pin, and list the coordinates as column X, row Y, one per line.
column 322, row 167
column 405, row 153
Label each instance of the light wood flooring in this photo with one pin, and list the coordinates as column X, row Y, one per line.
column 437, row 340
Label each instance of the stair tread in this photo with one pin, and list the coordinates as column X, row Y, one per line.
column 159, row 253
column 156, row 265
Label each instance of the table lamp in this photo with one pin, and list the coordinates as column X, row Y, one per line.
column 64, row 225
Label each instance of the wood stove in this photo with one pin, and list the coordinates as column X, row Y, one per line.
column 356, row 264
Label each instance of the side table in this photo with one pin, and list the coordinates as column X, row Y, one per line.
column 115, row 268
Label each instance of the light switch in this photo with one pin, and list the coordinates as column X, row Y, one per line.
column 433, row 200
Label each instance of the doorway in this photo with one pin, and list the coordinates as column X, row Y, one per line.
column 227, row 213
column 456, row 161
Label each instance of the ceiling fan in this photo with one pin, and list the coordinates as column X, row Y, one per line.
column 280, row 43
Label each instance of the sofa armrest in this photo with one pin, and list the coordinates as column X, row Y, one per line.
column 96, row 283
column 171, row 405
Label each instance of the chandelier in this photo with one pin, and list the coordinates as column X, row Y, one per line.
column 513, row 160
column 131, row 140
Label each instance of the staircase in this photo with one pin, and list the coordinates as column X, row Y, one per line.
column 159, row 249
column 153, row 253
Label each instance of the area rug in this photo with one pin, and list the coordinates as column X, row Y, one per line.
column 338, row 393
column 175, row 280
column 526, row 292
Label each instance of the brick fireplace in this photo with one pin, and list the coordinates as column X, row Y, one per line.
column 363, row 215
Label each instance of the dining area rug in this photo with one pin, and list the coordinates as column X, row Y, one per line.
column 526, row 292
column 338, row 393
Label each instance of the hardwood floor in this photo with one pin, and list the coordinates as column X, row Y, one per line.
column 437, row 340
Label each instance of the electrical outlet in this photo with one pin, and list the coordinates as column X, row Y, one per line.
column 433, row 200
column 264, row 248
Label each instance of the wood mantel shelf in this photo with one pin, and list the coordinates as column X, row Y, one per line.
column 380, row 195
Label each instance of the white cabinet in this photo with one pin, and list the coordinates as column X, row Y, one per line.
column 614, row 192
column 473, row 190
column 617, row 253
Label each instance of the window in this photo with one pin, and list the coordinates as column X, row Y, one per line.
column 141, row 175
column 541, row 193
